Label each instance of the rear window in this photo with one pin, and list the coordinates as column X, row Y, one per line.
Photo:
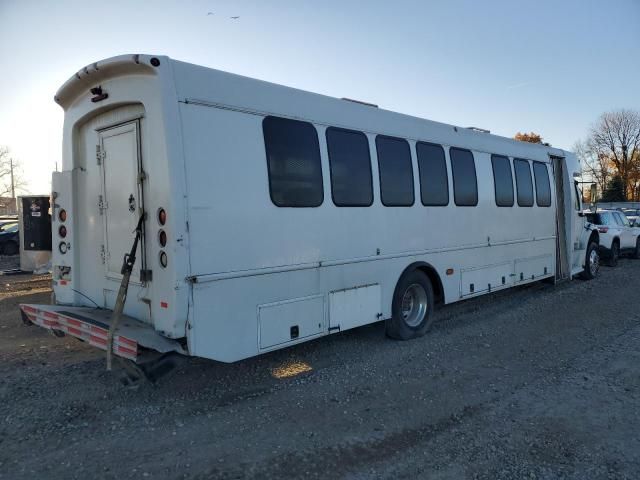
column 602, row 218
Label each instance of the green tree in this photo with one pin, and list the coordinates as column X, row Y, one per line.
column 615, row 191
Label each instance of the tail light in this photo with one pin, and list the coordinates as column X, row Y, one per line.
column 62, row 231
column 603, row 229
column 162, row 216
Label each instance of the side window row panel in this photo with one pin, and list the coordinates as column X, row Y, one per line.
column 295, row 172
column 503, row 182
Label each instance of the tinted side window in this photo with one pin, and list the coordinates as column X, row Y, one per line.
column 396, row 172
column 434, row 181
column 543, row 189
column 502, row 180
column 523, row 182
column 621, row 219
column 293, row 162
column 350, row 167
column 465, row 184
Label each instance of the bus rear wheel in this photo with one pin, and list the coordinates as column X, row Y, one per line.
column 412, row 307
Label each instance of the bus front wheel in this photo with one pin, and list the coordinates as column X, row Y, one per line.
column 412, row 307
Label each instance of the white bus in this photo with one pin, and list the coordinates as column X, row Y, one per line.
column 273, row 216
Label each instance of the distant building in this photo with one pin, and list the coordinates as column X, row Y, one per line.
column 8, row 206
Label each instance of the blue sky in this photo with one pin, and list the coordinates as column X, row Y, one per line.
column 508, row 66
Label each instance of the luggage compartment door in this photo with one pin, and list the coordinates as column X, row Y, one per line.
column 121, row 198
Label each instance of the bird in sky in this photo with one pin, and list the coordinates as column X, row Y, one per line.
column 209, row 13
column 234, row 18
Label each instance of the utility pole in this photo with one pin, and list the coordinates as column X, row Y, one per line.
column 13, row 188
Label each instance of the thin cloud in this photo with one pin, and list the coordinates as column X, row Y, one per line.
column 518, row 85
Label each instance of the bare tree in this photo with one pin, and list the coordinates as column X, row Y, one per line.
column 597, row 167
column 11, row 180
column 615, row 138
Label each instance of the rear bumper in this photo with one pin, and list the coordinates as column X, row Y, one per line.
column 91, row 325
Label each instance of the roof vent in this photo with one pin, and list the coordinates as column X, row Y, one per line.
column 480, row 130
column 360, row 102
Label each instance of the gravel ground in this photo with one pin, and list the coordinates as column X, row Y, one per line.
column 539, row 382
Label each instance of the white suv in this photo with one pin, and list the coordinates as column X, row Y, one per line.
column 617, row 236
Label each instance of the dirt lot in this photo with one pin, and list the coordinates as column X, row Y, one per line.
column 541, row 382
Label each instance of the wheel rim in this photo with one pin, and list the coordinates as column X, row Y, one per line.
column 415, row 304
column 594, row 262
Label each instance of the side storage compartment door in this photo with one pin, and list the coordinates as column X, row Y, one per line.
column 485, row 278
column 290, row 320
column 354, row 307
column 533, row 267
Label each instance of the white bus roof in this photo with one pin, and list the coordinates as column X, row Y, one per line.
column 206, row 86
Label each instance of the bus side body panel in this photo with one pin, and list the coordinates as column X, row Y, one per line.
column 249, row 257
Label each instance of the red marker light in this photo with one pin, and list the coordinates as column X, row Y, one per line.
column 162, row 216
column 164, row 304
column 62, row 215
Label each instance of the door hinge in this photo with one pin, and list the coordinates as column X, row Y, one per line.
column 142, row 176
column 100, row 154
column 103, row 254
column 102, row 205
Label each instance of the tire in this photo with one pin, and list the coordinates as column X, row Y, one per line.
column 412, row 307
column 10, row 248
column 615, row 254
column 636, row 251
column 592, row 262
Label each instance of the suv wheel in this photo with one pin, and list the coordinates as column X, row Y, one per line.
column 615, row 254
column 592, row 262
column 636, row 252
